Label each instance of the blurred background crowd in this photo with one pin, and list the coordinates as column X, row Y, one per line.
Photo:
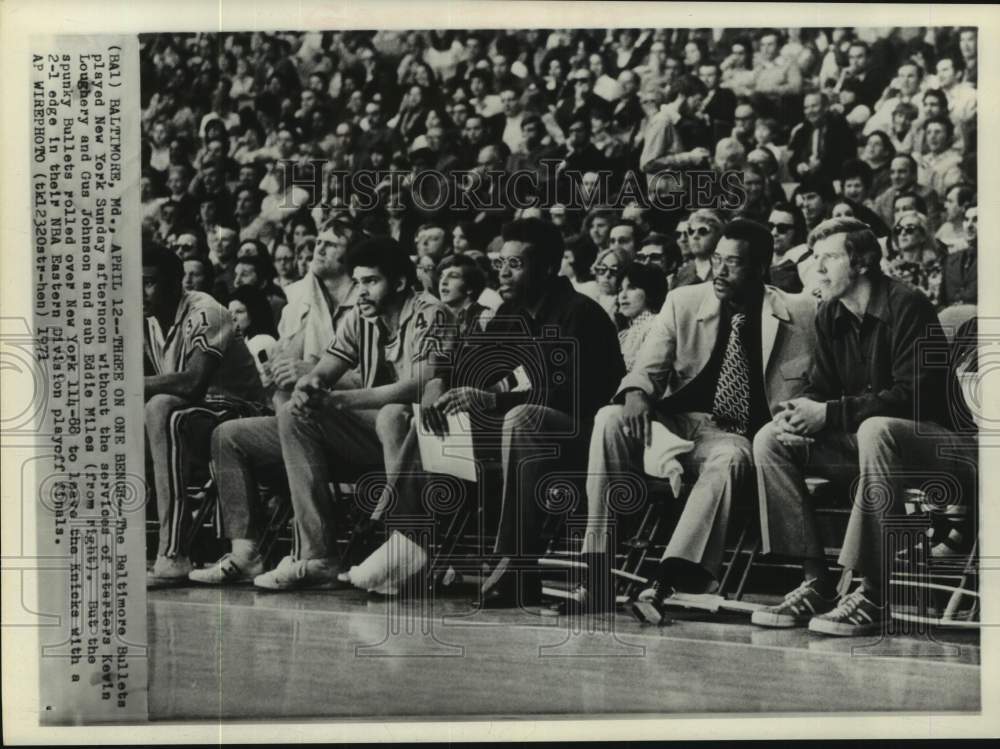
column 874, row 123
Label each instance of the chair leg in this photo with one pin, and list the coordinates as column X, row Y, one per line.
column 281, row 515
column 629, row 561
column 733, row 561
column 446, row 548
column 207, row 503
column 954, row 601
column 751, row 557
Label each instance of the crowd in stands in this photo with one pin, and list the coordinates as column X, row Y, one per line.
column 360, row 207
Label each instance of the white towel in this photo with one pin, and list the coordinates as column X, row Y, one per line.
column 660, row 457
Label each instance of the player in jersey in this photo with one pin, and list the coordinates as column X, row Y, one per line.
column 203, row 374
column 399, row 340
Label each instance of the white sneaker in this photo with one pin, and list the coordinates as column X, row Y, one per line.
column 168, row 571
column 388, row 567
column 301, row 574
column 230, row 569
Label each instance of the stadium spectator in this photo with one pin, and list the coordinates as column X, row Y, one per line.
column 704, row 227
column 643, row 290
column 788, row 232
column 959, row 278
column 608, row 269
column 903, row 173
column 914, row 257
column 658, row 251
column 878, row 153
column 952, row 233
column 818, row 145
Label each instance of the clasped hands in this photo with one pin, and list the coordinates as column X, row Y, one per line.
column 310, row 397
column 798, row 419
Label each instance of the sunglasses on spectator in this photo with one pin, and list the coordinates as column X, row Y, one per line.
column 908, row 229
column 781, row 228
column 649, row 257
column 601, row 270
column 514, row 263
column 700, row 231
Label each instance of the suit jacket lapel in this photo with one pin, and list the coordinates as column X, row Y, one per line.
column 772, row 311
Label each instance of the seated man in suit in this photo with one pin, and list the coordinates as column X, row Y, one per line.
column 876, row 410
column 721, row 358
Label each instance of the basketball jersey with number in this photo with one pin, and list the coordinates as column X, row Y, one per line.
column 202, row 324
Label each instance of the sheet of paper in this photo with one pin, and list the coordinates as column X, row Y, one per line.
column 451, row 454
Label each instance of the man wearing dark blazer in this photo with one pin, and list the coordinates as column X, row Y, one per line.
column 820, row 145
column 719, row 104
column 720, row 360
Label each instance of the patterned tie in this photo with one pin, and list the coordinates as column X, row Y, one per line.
column 731, row 408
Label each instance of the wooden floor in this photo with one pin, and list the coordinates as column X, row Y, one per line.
column 239, row 653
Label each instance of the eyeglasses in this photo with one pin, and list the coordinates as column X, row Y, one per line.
column 780, row 228
column 731, row 262
column 602, row 270
column 908, row 229
column 701, row 231
column 649, row 257
column 514, row 263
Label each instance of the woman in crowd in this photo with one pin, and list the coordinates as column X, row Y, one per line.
column 914, row 256
column 608, row 271
column 253, row 319
column 878, row 153
column 643, row 290
column 304, row 255
column 461, row 237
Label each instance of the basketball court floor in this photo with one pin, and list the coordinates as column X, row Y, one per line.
column 242, row 654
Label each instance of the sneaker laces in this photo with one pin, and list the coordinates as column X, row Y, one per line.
column 800, row 592
column 850, row 603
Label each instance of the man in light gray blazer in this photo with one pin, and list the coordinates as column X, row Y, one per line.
column 721, row 359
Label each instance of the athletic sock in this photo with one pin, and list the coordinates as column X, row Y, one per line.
column 245, row 549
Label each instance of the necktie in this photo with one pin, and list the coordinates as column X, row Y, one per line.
column 731, row 407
